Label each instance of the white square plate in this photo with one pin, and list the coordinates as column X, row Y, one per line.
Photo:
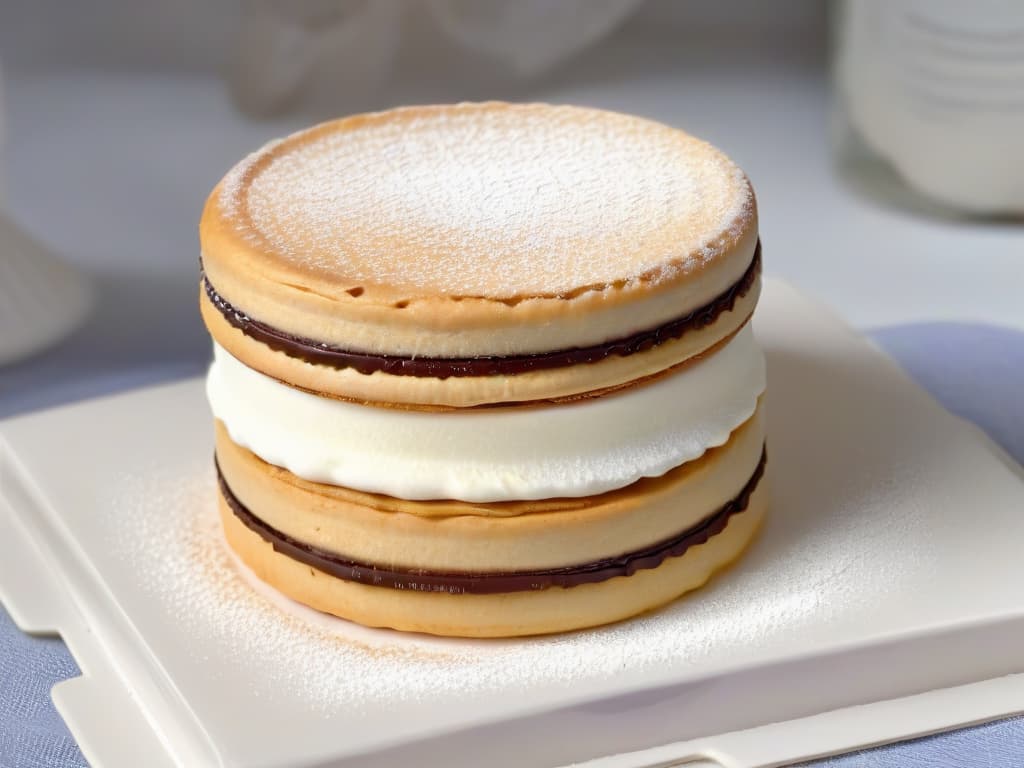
column 889, row 566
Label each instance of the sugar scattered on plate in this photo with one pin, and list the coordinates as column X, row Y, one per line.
column 169, row 534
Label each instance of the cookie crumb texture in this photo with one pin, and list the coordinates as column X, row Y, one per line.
column 488, row 200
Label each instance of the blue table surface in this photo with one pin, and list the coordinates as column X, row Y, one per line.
column 976, row 371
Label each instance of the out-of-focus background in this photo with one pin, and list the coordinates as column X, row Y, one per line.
column 885, row 141
column 119, row 117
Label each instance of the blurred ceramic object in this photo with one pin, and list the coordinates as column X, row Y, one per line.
column 936, row 89
column 282, row 46
column 42, row 299
column 530, row 36
column 338, row 51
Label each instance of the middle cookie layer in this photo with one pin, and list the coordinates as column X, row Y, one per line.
column 572, row 449
column 505, row 537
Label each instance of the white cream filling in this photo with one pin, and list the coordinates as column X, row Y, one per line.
column 496, row 454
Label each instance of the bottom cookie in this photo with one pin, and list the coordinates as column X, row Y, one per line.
column 500, row 614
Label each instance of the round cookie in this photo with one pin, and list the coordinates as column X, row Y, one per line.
column 526, row 568
column 485, row 369
column 478, row 253
column 514, row 614
column 490, row 536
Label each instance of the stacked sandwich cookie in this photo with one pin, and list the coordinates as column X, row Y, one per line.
column 485, row 369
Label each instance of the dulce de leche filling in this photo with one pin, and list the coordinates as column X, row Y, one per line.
column 318, row 353
column 496, row 582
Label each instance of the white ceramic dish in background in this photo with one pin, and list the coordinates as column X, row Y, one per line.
column 888, row 571
column 933, row 86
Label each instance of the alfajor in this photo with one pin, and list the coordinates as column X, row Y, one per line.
column 485, row 369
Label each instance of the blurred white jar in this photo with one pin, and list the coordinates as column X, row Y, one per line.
column 935, row 88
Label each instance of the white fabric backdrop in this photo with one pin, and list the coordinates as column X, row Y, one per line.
column 332, row 49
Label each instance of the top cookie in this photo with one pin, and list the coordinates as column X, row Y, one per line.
column 476, row 230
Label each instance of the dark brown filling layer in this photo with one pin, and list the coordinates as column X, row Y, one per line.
column 486, row 365
column 491, row 583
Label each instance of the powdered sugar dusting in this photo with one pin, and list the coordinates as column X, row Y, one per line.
column 478, row 200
